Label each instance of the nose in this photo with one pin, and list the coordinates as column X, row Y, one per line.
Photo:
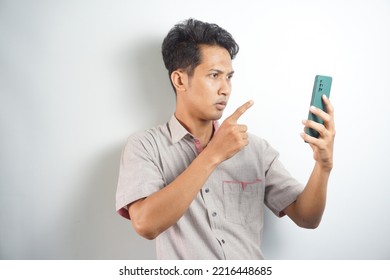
column 225, row 87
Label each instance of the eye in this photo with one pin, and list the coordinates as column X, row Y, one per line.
column 214, row 75
column 230, row 77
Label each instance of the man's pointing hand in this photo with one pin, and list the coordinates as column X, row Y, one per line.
column 230, row 137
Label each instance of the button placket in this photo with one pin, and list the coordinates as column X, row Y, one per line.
column 213, row 212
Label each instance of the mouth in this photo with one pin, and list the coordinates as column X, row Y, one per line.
column 221, row 105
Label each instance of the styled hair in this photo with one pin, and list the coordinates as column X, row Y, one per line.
column 180, row 48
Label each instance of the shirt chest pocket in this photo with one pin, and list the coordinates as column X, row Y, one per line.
column 243, row 201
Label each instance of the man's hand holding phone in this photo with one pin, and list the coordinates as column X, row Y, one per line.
column 321, row 121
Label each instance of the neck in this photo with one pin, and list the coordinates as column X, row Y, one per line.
column 201, row 129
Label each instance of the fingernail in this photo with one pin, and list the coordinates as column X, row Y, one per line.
column 313, row 108
column 324, row 96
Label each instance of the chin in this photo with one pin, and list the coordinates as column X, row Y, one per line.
column 216, row 116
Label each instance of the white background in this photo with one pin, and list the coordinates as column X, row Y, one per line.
column 78, row 77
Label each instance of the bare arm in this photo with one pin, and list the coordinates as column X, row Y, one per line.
column 307, row 210
column 154, row 214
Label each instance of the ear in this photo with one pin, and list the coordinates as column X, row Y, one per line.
column 179, row 80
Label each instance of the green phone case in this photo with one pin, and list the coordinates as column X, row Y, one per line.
column 322, row 85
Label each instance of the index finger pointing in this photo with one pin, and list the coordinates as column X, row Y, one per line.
column 240, row 111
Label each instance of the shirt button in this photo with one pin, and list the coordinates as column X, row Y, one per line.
column 223, row 241
column 214, row 214
column 207, row 190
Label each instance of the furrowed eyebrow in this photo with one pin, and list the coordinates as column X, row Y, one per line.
column 220, row 71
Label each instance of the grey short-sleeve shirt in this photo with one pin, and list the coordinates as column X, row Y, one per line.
column 225, row 220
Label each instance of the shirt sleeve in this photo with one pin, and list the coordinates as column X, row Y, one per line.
column 139, row 176
column 281, row 188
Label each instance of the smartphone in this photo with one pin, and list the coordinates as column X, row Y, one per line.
column 322, row 85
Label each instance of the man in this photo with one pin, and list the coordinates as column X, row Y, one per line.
column 200, row 188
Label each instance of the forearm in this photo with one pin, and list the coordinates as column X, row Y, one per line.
column 159, row 211
column 310, row 204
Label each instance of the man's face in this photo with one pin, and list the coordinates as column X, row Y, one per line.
column 209, row 88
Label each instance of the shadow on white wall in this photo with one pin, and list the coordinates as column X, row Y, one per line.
column 97, row 228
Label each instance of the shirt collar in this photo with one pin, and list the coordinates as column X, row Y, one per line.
column 178, row 131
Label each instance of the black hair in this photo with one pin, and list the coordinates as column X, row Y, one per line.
column 180, row 48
